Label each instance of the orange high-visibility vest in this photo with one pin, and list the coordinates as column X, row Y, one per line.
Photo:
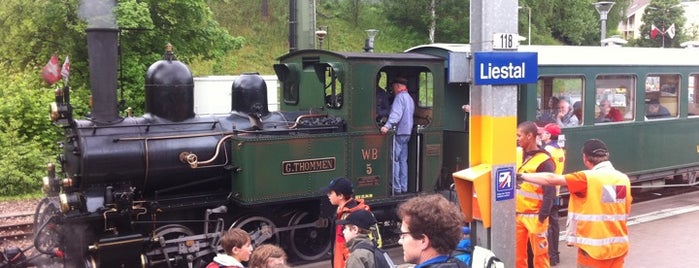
column 558, row 155
column 529, row 195
column 600, row 216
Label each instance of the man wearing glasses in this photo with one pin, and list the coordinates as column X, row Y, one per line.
column 430, row 230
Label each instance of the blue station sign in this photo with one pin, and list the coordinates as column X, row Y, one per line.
column 505, row 68
column 504, row 183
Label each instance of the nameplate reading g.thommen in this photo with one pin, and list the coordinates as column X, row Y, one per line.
column 308, row 165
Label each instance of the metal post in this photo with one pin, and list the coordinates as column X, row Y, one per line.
column 603, row 9
column 663, row 33
column 529, row 25
column 493, row 126
column 529, row 31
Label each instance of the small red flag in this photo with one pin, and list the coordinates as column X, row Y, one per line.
column 51, row 71
column 654, row 31
column 65, row 70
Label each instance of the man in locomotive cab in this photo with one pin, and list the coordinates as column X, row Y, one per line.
column 549, row 138
column 401, row 117
column 383, row 102
column 340, row 193
column 533, row 202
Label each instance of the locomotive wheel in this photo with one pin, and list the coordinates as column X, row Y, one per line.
column 170, row 231
column 46, row 232
column 253, row 223
column 310, row 243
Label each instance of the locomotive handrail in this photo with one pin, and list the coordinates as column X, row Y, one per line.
column 298, row 119
column 169, row 137
column 193, row 160
column 284, row 130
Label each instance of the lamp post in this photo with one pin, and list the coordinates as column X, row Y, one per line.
column 603, row 8
column 529, row 25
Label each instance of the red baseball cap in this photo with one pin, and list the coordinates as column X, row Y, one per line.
column 551, row 128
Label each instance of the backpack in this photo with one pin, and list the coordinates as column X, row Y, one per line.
column 483, row 257
column 450, row 263
column 381, row 258
column 463, row 255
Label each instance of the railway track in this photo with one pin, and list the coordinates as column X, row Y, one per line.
column 16, row 227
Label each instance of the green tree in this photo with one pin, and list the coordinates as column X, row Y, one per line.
column 34, row 30
column 452, row 19
column 662, row 14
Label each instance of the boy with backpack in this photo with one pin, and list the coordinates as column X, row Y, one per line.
column 340, row 193
column 363, row 252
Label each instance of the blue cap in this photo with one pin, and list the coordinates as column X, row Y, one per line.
column 465, row 230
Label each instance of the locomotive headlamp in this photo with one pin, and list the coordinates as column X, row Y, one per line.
column 67, row 182
column 369, row 42
column 69, row 202
column 59, row 114
column 50, row 185
column 53, row 112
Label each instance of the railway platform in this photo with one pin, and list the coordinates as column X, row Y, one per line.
column 662, row 233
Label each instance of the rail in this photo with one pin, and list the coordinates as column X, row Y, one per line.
column 16, row 232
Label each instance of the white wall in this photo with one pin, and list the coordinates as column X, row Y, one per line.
column 212, row 94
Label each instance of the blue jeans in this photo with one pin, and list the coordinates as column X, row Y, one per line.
column 400, row 164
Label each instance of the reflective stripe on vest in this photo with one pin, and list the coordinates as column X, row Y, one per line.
column 529, row 195
column 600, row 216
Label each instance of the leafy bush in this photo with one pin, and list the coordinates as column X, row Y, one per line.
column 27, row 133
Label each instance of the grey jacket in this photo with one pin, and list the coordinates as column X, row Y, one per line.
column 359, row 257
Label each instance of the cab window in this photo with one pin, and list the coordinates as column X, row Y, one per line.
column 560, row 100
column 332, row 85
column 662, row 96
column 426, row 90
column 615, row 98
column 424, row 98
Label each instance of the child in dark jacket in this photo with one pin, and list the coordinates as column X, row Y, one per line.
column 356, row 231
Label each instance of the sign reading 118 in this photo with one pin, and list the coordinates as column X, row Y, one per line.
column 505, row 41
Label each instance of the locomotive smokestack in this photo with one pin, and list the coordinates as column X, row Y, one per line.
column 102, row 57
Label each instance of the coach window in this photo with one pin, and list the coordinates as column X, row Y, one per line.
column 615, row 98
column 662, row 95
column 425, row 95
column 693, row 92
column 560, row 100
